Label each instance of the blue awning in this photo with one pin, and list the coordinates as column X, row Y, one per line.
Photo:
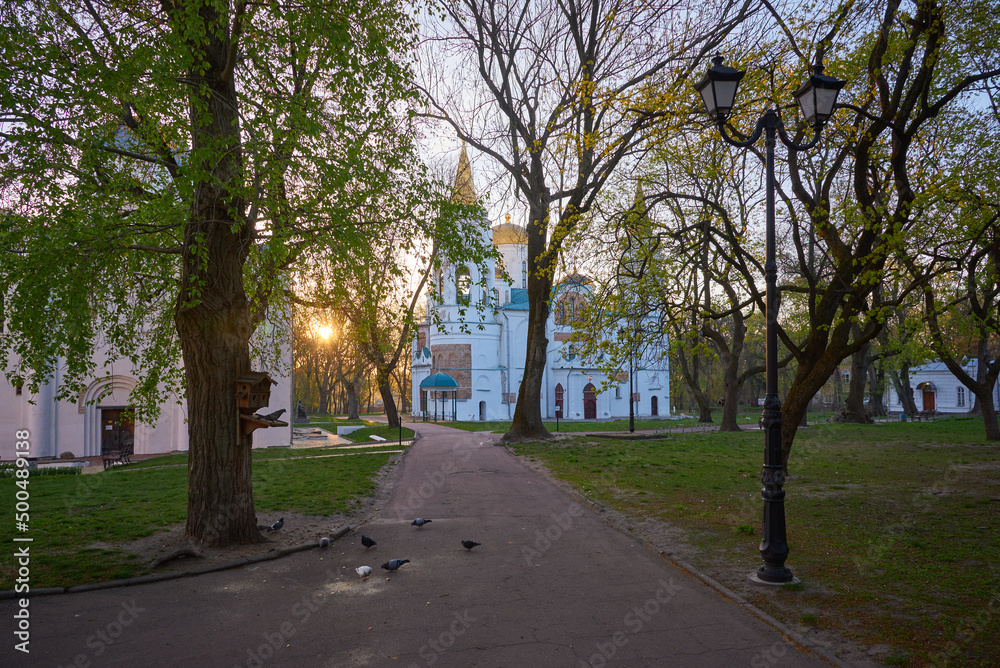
column 438, row 381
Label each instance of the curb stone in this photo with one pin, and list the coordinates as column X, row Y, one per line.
column 9, row 594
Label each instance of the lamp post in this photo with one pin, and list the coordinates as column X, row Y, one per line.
column 631, row 396
column 817, row 98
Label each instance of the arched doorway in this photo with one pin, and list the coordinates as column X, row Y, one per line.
column 482, row 411
column 590, row 402
column 927, row 391
column 560, row 411
column 654, row 406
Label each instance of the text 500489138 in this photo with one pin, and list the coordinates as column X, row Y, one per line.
column 22, row 552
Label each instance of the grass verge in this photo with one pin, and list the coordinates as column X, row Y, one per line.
column 746, row 416
column 69, row 514
column 892, row 527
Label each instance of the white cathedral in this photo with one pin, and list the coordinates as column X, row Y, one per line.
column 468, row 366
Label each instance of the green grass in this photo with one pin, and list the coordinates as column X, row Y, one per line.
column 576, row 426
column 390, row 434
column 70, row 514
column 330, row 423
column 892, row 527
column 746, row 416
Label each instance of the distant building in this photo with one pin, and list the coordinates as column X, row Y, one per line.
column 471, row 369
column 99, row 416
column 935, row 388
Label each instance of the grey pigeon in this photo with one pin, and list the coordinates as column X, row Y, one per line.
column 469, row 544
column 271, row 416
column 393, row 564
column 419, row 522
column 277, row 525
column 367, row 542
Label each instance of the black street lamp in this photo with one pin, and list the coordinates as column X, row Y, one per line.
column 817, row 98
column 631, row 393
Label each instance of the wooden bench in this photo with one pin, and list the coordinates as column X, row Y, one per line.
column 118, row 456
column 925, row 416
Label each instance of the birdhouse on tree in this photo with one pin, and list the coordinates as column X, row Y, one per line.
column 253, row 391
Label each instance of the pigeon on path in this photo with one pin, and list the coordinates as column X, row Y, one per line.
column 469, row 544
column 277, row 525
column 394, row 564
column 363, row 571
column 367, row 542
column 419, row 522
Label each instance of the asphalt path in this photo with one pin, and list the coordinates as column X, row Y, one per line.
column 551, row 585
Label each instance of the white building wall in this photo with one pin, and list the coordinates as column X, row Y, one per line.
column 946, row 389
column 75, row 426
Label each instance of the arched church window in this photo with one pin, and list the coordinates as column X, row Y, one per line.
column 498, row 271
column 463, row 283
column 524, row 274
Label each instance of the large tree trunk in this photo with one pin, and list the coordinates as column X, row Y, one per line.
column 876, row 389
column 985, row 400
column 383, row 377
column 901, row 381
column 809, row 379
column 527, row 421
column 701, row 399
column 351, row 389
column 854, row 410
column 212, row 312
column 730, row 353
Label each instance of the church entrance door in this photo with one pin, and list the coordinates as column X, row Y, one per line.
column 590, row 402
column 117, row 429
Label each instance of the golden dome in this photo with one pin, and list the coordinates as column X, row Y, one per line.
column 509, row 233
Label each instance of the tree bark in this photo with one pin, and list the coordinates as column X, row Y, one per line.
column 527, row 422
column 212, row 313
column 730, row 352
column 854, row 410
column 876, row 389
column 383, row 378
column 351, row 389
column 701, row 399
column 901, row 382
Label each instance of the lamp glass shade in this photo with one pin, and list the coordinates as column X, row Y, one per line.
column 718, row 89
column 817, row 97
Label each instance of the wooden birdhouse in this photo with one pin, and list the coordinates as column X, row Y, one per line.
column 253, row 391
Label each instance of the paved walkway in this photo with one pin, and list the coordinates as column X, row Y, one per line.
column 551, row 585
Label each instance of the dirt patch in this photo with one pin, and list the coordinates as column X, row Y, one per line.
column 298, row 529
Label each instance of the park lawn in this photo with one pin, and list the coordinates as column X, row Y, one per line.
column 747, row 416
column 893, row 528
column 573, row 426
column 390, row 434
column 364, row 435
column 69, row 514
